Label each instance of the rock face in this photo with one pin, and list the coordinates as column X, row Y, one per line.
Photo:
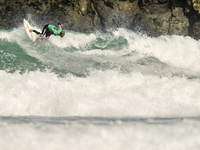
column 167, row 17
column 78, row 15
column 155, row 17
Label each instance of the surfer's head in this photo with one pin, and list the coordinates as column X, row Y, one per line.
column 62, row 33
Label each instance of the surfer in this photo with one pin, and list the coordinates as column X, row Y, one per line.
column 50, row 29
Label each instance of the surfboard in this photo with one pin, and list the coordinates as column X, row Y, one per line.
column 33, row 36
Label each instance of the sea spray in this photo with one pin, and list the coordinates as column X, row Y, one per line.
column 102, row 93
column 116, row 90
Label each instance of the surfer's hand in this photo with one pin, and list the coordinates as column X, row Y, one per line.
column 62, row 25
column 47, row 38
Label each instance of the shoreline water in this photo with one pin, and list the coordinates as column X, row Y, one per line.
column 100, row 133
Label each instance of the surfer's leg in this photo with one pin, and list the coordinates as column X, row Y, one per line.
column 48, row 34
column 45, row 29
column 36, row 32
column 31, row 30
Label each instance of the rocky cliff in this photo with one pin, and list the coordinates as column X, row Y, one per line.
column 155, row 17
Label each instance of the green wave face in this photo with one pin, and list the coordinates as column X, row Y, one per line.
column 99, row 74
column 62, row 56
column 78, row 53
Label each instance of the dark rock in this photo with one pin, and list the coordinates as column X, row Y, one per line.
column 179, row 23
column 196, row 30
column 156, row 17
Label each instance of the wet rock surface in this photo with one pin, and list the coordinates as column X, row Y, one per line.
column 154, row 17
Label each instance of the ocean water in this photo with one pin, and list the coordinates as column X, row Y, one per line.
column 99, row 91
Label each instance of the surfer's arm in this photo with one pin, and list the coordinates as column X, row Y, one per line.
column 48, row 35
column 47, row 38
column 60, row 24
column 59, row 29
column 57, row 32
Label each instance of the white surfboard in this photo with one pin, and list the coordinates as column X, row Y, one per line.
column 33, row 36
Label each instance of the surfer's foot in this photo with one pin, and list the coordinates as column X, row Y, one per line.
column 30, row 30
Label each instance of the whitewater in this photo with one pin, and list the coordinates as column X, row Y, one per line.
column 115, row 90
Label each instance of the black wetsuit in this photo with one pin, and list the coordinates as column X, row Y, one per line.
column 45, row 31
column 50, row 29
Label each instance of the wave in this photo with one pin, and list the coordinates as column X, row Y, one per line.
column 102, row 93
column 117, row 48
column 120, row 73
